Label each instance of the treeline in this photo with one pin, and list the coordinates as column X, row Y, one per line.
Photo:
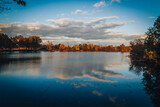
column 34, row 43
column 87, row 47
column 148, row 50
column 19, row 42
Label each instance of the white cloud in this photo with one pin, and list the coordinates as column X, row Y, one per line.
column 115, row 1
column 100, row 4
column 151, row 17
column 101, row 20
column 116, row 35
column 66, row 22
column 109, row 25
column 73, row 31
column 78, row 11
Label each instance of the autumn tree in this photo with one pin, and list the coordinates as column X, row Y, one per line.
column 49, row 46
column 152, row 41
column 34, row 41
column 27, row 42
column 61, row 47
column 76, row 47
column 84, row 47
column 122, row 47
column 91, row 47
column 96, row 48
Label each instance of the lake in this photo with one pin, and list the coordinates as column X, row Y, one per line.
column 71, row 79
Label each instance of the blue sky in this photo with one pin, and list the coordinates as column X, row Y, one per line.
column 118, row 21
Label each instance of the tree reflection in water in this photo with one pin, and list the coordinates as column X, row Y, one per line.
column 6, row 60
column 151, row 78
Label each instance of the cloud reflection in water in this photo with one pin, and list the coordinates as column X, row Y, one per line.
column 66, row 65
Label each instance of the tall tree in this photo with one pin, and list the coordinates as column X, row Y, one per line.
column 152, row 41
column 6, row 42
column 34, row 41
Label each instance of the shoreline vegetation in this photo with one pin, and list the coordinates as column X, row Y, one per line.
column 33, row 43
column 145, row 60
column 147, row 50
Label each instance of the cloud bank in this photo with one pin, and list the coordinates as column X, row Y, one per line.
column 72, row 31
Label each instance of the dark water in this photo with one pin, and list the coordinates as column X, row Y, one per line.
column 81, row 79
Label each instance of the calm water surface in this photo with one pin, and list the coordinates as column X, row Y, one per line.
column 80, row 79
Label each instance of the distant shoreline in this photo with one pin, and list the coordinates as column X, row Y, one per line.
column 36, row 50
column 33, row 43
